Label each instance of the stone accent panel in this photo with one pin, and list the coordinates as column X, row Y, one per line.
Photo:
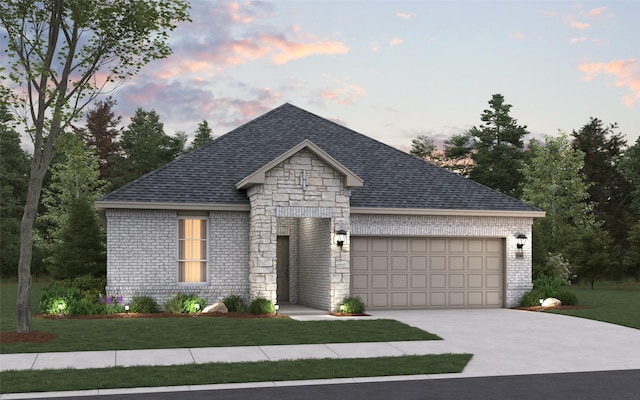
column 518, row 270
column 303, row 186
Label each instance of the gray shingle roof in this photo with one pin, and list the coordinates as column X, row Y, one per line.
column 392, row 178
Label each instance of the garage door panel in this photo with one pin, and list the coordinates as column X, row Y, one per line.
column 396, row 273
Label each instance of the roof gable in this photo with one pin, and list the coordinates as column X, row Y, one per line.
column 258, row 177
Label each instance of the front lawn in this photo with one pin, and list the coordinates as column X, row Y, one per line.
column 619, row 306
column 214, row 373
column 158, row 333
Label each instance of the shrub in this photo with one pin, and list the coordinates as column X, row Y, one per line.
column 183, row 303
column 235, row 303
column 143, row 305
column 548, row 286
column 566, row 297
column 352, row 305
column 57, row 298
column 261, row 305
column 531, row 299
column 85, row 307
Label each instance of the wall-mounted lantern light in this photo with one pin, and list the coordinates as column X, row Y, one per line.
column 341, row 237
column 521, row 239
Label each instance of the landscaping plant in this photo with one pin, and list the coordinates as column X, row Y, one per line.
column 143, row 305
column 235, row 303
column 352, row 305
column 261, row 306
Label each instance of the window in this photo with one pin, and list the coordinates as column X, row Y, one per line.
column 192, row 250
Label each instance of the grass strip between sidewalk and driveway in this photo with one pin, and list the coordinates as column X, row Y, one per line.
column 217, row 373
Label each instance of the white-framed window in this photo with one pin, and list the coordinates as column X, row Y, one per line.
column 192, row 250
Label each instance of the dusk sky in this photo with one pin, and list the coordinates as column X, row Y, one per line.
column 395, row 69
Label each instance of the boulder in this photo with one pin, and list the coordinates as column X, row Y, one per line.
column 551, row 302
column 216, row 307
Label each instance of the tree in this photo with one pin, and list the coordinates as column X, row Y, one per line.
column 496, row 148
column 82, row 249
column 203, row 135
column 608, row 190
column 457, row 152
column 552, row 182
column 101, row 135
column 14, row 170
column 589, row 253
column 630, row 167
column 145, row 147
column 55, row 49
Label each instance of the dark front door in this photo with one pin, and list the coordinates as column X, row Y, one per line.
column 282, row 264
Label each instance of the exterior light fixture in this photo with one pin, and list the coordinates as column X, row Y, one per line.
column 341, row 237
column 276, row 307
column 60, row 307
column 196, row 306
column 342, row 308
column 126, row 307
column 521, row 239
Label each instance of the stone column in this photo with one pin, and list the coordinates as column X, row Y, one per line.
column 262, row 248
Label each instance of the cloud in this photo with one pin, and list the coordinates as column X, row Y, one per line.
column 579, row 25
column 395, row 41
column 375, row 46
column 344, row 95
column 291, row 50
column 625, row 74
column 405, row 15
column 596, row 12
column 518, row 36
column 579, row 39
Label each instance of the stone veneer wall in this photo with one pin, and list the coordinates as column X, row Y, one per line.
column 518, row 270
column 315, row 254
column 142, row 255
column 283, row 195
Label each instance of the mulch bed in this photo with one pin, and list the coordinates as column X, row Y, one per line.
column 539, row 308
column 40, row 337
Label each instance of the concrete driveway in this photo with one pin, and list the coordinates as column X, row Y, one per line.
column 513, row 342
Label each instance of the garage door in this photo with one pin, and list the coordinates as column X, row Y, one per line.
column 420, row 273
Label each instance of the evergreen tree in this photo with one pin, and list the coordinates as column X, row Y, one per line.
column 609, row 190
column 203, row 135
column 496, row 148
column 101, row 135
column 630, row 167
column 82, row 249
column 145, row 147
column 14, row 172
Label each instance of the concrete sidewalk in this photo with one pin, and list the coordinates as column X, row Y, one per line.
column 503, row 342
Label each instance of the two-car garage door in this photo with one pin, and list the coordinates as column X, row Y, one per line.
column 420, row 273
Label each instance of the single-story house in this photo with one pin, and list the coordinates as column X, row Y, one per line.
column 296, row 208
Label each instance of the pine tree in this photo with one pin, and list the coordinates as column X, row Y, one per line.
column 203, row 135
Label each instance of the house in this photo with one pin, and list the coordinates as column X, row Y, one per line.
column 296, row 208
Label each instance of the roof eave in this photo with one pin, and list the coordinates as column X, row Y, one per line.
column 448, row 212
column 147, row 205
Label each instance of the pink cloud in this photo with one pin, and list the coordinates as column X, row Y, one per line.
column 405, row 15
column 579, row 39
column 344, row 95
column 625, row 73
column 375, row 46
column 292, row 50
column 579, row 25
column 395, row 41
column 597, row 11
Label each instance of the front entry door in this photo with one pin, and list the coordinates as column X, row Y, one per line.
column 282, row 265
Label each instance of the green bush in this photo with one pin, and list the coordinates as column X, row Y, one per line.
column 261, row 305
column 566, row 297
column 143, row 305
column 352, row 305
column 58, row 295
column 235, row 303
column 548, row 286
column 532, row 298
column 183, row 303
column 85, row 307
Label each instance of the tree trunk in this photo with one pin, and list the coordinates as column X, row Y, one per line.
column 23, row 302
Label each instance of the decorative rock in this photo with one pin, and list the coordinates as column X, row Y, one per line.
column 216, row 307
column 551, row 302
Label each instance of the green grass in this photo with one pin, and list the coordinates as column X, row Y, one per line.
column 161, row 333
column 608, row 303
column 200, row 374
